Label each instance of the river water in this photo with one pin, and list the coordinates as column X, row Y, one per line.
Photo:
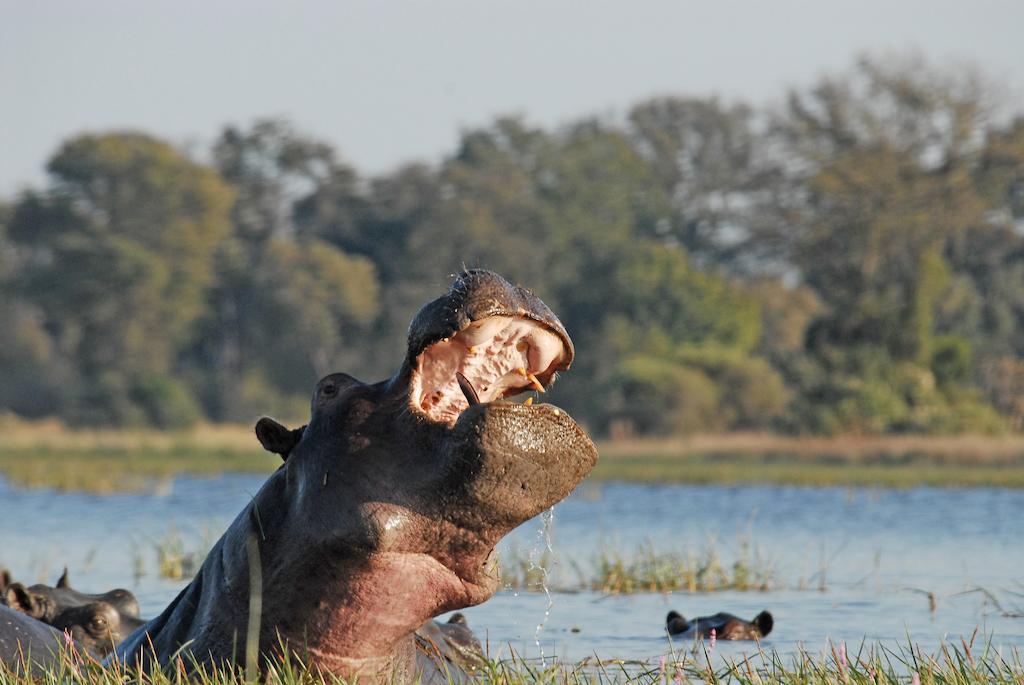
column 851, row 565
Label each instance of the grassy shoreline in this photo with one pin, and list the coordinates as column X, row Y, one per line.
column 875, row 664
column 891, row 461
column 48, row 454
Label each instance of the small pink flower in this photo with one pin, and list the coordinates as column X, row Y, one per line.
column 714, row 637
column 661, row 665
column 842, row 654
column 679, row 677
column 915, row 679
column 68, row 640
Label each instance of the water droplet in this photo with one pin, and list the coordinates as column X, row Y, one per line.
column 541, row 557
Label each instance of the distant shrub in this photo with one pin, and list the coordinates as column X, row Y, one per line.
column 952, row 360
column 658, row 397
column 165, row 402
column 257, row 397
column 752, row 394
column 869, row 407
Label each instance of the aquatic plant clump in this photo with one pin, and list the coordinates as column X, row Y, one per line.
column 650, row 570
column 646, row 569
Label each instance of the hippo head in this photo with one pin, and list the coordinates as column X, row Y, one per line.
column 46, row 602
column 97, row 626
column 99, row 622
column 397, row 492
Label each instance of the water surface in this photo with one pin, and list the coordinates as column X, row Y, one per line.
column 875, row 552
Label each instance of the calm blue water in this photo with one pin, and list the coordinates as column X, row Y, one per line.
column 874, row 548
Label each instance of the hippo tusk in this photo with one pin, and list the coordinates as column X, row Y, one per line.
column 467, row 389
column 537, row 385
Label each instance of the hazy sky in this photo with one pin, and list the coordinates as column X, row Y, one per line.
column 388, row 82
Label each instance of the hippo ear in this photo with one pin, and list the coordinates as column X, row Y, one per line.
column 764, row 622
column 277, row 438
column 675, row 623
column 20, row 599
column 5, row 579
column 458, row 618
column 63, row 581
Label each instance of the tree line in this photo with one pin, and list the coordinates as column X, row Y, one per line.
column 849, row 261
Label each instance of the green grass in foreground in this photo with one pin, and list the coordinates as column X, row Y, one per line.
column 876, row 665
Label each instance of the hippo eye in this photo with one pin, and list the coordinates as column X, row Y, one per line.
column 98, row 623
column 329, row 390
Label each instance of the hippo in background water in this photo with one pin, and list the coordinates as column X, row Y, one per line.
column 726, row 626
column 45, row 601
column 451, row 641
column 97, row 622
column 391, row 500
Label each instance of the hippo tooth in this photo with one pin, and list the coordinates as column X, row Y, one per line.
column 537, row 385
column 528, row 402
column 467, row 389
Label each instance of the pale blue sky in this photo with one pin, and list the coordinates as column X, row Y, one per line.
column 388, row 82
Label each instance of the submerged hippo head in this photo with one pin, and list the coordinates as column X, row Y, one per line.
column 99, row 622
column 390, row 501
column 725, row 625
column 44, row 602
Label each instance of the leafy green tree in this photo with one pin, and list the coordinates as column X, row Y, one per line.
column 267, row 330
column 881, row 196
column 651, row 396
column 117, row 257
column 705, row 156
column 319, row 301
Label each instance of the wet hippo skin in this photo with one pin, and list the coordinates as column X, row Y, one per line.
column 27, row 645
column 389, row 502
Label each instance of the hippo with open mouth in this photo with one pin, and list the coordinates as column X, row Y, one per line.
column 389, row 504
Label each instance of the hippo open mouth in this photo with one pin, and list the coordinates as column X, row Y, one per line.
column 491, row 359
column 484, row 341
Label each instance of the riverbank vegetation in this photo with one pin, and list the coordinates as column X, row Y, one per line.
column 846, row 263
column 890, row 461
column 963, row 664
column 51, row 454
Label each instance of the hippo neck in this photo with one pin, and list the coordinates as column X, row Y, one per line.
column 314, row 602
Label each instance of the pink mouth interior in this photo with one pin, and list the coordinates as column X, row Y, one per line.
column 497, row 355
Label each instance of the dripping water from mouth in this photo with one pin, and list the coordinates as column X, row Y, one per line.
column 541, row 557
